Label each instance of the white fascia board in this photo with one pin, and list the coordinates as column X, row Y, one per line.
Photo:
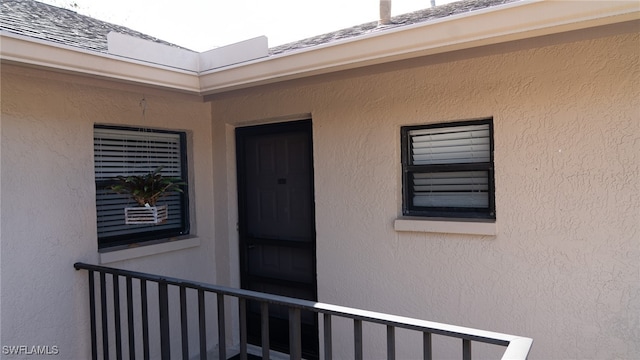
column 512, row 21
column 145, row 50
column 236, row 53
column 152, row 52
column 40, row 53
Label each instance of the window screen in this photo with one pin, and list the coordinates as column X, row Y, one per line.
column 126, row 151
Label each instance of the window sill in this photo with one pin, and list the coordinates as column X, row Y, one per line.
column 135, row 251
column 449, row 226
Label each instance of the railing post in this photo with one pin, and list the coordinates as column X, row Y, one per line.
column 295, row 336
column 328, row 345
column 163, row 303
column 202, row 324
column 357, row 338
column 103, row 309
column 466, row 349
column 264, row 329
column 144, row 306
column 427, row 351
column 184, row 329
column 391, row 342
column 242, row 305
column 130, row 322
column 222, row 342
column 116, row 315
column 92, row 311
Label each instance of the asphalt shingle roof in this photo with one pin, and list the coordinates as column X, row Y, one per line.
column 51, row 23
column 63, row 26
column 415, row 17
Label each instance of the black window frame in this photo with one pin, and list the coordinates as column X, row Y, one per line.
column 408, row 169
column 105, row 242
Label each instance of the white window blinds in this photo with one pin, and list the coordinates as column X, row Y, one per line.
column 135, row 152
column 132, row 152
column 447, row 188
column 453, row 145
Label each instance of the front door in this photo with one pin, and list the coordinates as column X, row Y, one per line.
column 277, row 225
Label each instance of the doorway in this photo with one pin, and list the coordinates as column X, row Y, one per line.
column 277, row 226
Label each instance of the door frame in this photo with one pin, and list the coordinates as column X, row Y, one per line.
column 242, row 133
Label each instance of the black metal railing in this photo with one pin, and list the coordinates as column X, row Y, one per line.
column 138, row 324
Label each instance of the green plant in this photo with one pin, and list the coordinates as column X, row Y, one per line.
column 146, row 189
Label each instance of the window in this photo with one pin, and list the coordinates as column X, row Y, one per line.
column 448, row 170
column 131, row 151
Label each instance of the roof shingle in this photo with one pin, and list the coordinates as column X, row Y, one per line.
column 51, row 23
column 415, row 17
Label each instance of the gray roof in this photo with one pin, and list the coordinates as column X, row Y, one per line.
column 415, row 17
column 51, row 23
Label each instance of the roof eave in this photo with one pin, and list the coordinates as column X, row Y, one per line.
column 44, row 54
column 494, row 25
column 509, row 22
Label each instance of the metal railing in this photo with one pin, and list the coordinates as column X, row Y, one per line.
column 516, row 347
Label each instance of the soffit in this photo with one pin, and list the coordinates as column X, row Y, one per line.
column 494, row 25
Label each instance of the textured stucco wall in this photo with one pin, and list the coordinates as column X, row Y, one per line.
column 563, row 267
column 48, row 198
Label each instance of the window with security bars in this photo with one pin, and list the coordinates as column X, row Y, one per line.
column 448, row 170
column 132, row 151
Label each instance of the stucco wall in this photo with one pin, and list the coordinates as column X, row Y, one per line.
column 563, row 267
column 48, row 199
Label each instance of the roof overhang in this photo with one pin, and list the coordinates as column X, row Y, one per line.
column 45, row 54
column 493, row 25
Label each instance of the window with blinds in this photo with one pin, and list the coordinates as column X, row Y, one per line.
column 130, row 151
column 448, row 169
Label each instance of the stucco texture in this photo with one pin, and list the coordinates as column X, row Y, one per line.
column 48, row 198
column 563, row 267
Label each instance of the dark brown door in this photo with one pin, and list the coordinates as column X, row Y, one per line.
column 277, row 227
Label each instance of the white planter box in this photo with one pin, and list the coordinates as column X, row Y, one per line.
column 146, row 215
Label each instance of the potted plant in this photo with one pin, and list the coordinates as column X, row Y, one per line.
column 145, row 190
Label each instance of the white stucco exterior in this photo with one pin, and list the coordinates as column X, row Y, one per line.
column 562, row 267
column 560, row 264
column 48, row 193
